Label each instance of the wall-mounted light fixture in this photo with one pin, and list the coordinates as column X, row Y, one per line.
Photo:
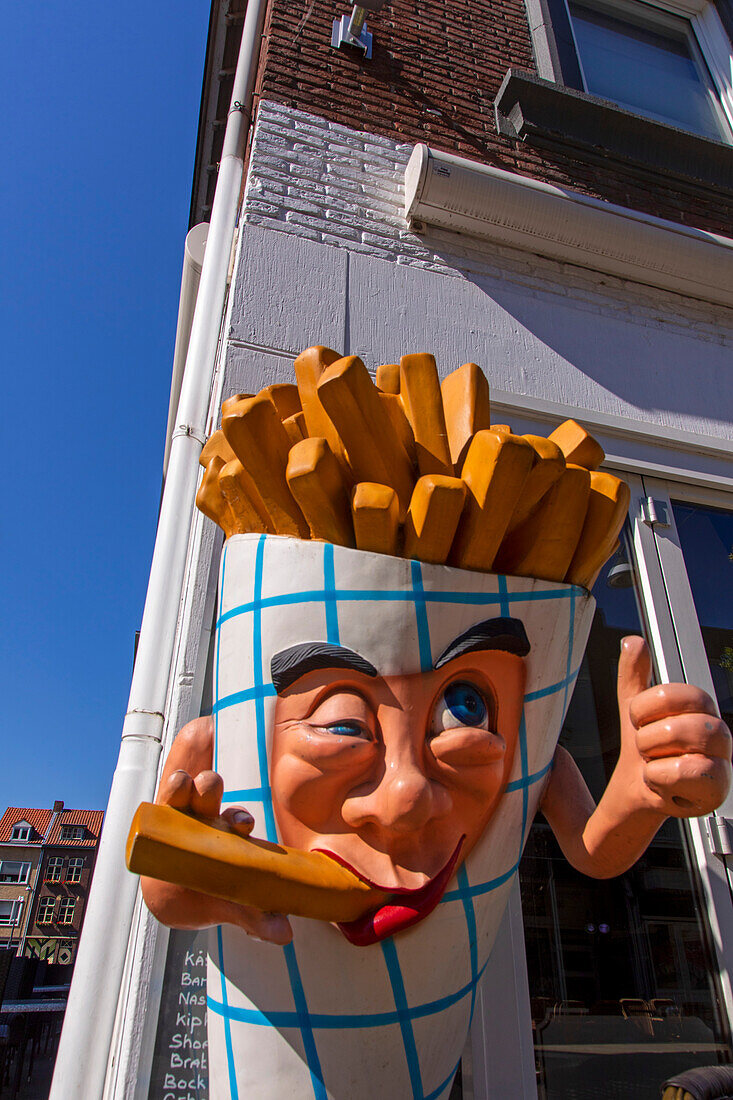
column 351, row 30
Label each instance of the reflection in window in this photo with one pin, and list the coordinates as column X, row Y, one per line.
column 649, row 62
column 706, row 538
column 622, row 990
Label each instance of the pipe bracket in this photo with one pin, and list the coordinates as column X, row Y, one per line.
column 190, row 431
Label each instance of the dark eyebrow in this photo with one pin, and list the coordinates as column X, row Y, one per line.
column 507, row 635
column 289, row 665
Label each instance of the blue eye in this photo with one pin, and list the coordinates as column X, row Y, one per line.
column 465, row 703
column 347, row 729
column 461, row 704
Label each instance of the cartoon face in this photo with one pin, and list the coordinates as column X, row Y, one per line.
column 398, row 775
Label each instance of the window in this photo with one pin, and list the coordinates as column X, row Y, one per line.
column 55, row 868
column 11, row 871
column 75, row 867
column 45, row 910
column 66, row 910
column 9, row 912
column 21, row 831
column 72, row 832
column 648, row 61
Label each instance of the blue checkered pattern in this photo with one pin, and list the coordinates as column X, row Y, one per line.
column 405, row 1015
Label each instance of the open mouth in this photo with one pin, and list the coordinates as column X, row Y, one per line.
column 403, row 907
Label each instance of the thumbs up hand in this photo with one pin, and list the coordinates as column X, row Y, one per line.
column 675, row 761
column 675, row 750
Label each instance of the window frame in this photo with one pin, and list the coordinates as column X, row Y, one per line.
column 23, row 866
column 558, row 58
column 74, row 868
column 21, row 827
column 43, row 905
column 16, row 909
column 66, row 913
column 54, row 869
column 72, row 832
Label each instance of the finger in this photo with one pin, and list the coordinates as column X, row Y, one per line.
column 176, row 790
column 239, row 820
column 270, row 927
column 208, row 788
column 689, row 785
column 665, row 700
column 634, row 674
column 684, row 733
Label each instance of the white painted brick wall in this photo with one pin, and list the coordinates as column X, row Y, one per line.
column 325, row 182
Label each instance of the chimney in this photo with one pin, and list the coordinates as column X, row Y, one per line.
column 58, row 807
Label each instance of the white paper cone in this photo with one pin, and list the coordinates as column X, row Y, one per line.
column 322, row 1018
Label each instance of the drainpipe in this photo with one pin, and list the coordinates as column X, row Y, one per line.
column 193, row 259
column 81, row 1064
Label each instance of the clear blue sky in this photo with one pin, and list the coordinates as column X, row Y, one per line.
column 100, row 109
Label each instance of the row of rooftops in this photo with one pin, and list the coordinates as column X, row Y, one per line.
column 28, row 825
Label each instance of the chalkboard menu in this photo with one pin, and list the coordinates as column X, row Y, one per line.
column 180, row 1058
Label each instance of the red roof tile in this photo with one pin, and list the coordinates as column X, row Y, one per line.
column 39, row 819
column 90, row 819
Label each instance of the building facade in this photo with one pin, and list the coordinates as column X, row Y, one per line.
column 47, row 861
column 544, row 188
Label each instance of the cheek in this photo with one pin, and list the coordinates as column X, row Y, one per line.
column 310, row 787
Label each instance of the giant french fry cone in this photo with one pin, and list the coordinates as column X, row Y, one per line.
column 383, row 1009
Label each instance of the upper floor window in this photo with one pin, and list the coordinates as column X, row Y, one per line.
column 10, row 871
column 651, row 62
column 72, row 832
column 9, row 912
column 75, row 867
column 21, row 831
column 55, row 868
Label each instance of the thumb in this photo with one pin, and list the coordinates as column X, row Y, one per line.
column 634, row 676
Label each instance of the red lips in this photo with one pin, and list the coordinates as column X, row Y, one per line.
column 407, row 908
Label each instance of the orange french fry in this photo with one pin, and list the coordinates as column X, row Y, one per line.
column 192, row 852
column 285, row 397
column 548, row 467
column 544, row 545
column 388, row 378
column 254, row 432
column 608, row 506
column 466, row 407
column 309, row 368
column 495, row 470
column 400, row 423
column 578, row 445
column 375, row 510
column 216, row 445
column 295, row 427
column 365, row 429
column 422, row 401
column 211, row 501
column 316, row 481
column 233, row 482
column 432, row 518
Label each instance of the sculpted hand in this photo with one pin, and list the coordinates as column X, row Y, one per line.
column 675, row 761
column 189, row 784
column 675, row 750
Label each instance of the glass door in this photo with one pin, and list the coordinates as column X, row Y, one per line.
column 624, row 974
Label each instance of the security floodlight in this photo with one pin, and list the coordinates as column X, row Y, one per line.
column 351, row 30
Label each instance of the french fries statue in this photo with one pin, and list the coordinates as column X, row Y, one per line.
column 403, row 608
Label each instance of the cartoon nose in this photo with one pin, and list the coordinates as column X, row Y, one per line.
column 403, row 800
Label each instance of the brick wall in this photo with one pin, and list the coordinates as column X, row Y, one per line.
column 436, row 68
column 333, row 184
